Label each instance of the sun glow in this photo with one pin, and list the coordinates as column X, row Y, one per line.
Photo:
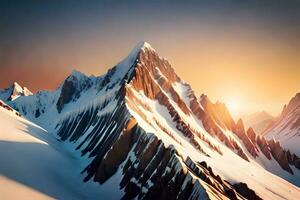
column 233, row 107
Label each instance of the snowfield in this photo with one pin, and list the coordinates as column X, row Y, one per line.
column 34, row 165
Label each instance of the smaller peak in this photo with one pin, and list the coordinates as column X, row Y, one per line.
column 16, row 86
column 297, row 96
column 293, row 104
column 240, row 122
column 204, row 99
column 204, row 96
column 16, row 90
column 250, row 130
column 240, row 126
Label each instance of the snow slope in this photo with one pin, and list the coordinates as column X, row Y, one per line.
column 34, row 165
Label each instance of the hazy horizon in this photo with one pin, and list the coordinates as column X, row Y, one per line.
column 245, row 54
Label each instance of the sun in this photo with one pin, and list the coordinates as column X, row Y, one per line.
column 233, row 106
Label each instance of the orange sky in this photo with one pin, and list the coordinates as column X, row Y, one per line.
column 236, row 53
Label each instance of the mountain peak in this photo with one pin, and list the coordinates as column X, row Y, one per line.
column 17, row 90
column 77, row 74
column 14, row 91
column 296, row 98
column 293, row 104
column 286, row 126
column 143, row 45
column 17, row 87
column 15, row 84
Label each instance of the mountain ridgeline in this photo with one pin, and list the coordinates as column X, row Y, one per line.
column 286, row 127
column 145, row 128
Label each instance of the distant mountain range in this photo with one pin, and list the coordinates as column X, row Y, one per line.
column 141, row 132
column 258, row 121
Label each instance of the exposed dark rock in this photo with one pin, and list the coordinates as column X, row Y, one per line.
column 37, row 113
column 117, row 154
column 68, row 91
column 246, row 192
column 240, row 132
column 279, row 155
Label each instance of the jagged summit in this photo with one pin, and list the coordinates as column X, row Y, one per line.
column 142, row 46
column 138, row 48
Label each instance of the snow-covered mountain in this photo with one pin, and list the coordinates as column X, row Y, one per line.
column 13, row 92
column 286, row 127
column 258, row 121
column 145, row 134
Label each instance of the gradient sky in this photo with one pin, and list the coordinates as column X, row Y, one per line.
column 237, row 52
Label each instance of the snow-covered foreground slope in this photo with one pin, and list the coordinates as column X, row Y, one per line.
column 142, row 132
column 34, row 165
